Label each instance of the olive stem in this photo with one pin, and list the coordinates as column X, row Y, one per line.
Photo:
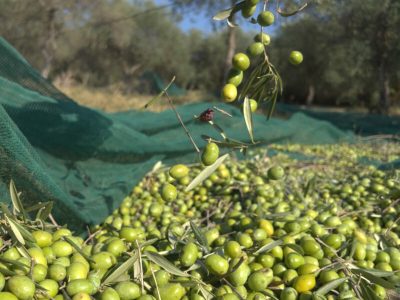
column 141, row 266
column 233, row 288
column 53, row 220
column 180, row 120
column 155, row 282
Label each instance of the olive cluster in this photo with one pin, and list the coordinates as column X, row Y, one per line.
column 241, row 62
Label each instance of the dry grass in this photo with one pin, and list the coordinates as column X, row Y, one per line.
column 112, row 100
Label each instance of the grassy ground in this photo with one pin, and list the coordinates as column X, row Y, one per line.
column 112, row 100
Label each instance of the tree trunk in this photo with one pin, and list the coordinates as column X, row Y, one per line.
column 384, row 90
column 50, row 44
column 231, row 48
column 382, row 55
column 310, row 95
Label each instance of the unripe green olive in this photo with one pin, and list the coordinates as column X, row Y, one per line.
column 210, row 154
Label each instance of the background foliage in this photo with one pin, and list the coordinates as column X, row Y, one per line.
column 350, row 47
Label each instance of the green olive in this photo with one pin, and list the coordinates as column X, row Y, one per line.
column 210, row 154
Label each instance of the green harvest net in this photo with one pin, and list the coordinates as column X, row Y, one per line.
column 86, row 161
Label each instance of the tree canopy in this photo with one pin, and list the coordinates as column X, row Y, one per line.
column 350, row 47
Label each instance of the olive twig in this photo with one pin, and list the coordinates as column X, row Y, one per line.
column 180, row 121
column 155, row 283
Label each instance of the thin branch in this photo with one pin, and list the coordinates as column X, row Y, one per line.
column 53, row 221
column 180, row 121
column 222, row 111
column 141, row 265
column 155, row 283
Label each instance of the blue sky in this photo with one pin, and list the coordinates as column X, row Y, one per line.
column 202, row 20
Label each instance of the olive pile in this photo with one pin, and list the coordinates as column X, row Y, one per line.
column 264, row 228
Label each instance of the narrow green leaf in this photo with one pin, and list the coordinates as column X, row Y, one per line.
column 206, row 294
column 296, row 248
column 185, row 283
column 206, row 173
column 157, row 166
column 223, row 14
column 268, row 247
column 291, row 13
column 7, row 272
column 15, row 230
column 165, row 264
column 77, row 248
column 227, row 13
column 6, row 211
column 377, row 273
column 268, row 294
column 316, row 296
column 309, row 186
column 353, row 248
column 25, row 233
column 148, row 242
column 374, row 279
column 330, row 286
column 160, row 94
column 120, row 270
column 231, row 143
column 367, row 293
column 248, row 117
column 201, row 239
column 16, row 201
column 231, row 22
column 12, row 262
column 44, row 213
column 36, row 206
column 22, row 250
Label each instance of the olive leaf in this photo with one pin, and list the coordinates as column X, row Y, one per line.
column 296, row 248
column 16, row 201
column 374, row 278
column 367, row 293
column 206, row 173
column 270, row 295
column 157, row 166
column 248, row 117
column 231, row 22
column 44, row 212
column 16, row 233
column 22, row 250
column 230, row 143
column 374, row 272
column 309, row 186
column 268, row 247
column 12, row 262
column 316, row 296
column 24, row 232
column 77, row 248
column 330, row 286
column 206, row 294
column 118, row 271
column 228, row 13
column 201, row 239
column 291, row 13
column 223, row 14
column 7, row 272
column 160, row 94
column 165, row 264
column 36, row 207
column 6, row 211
